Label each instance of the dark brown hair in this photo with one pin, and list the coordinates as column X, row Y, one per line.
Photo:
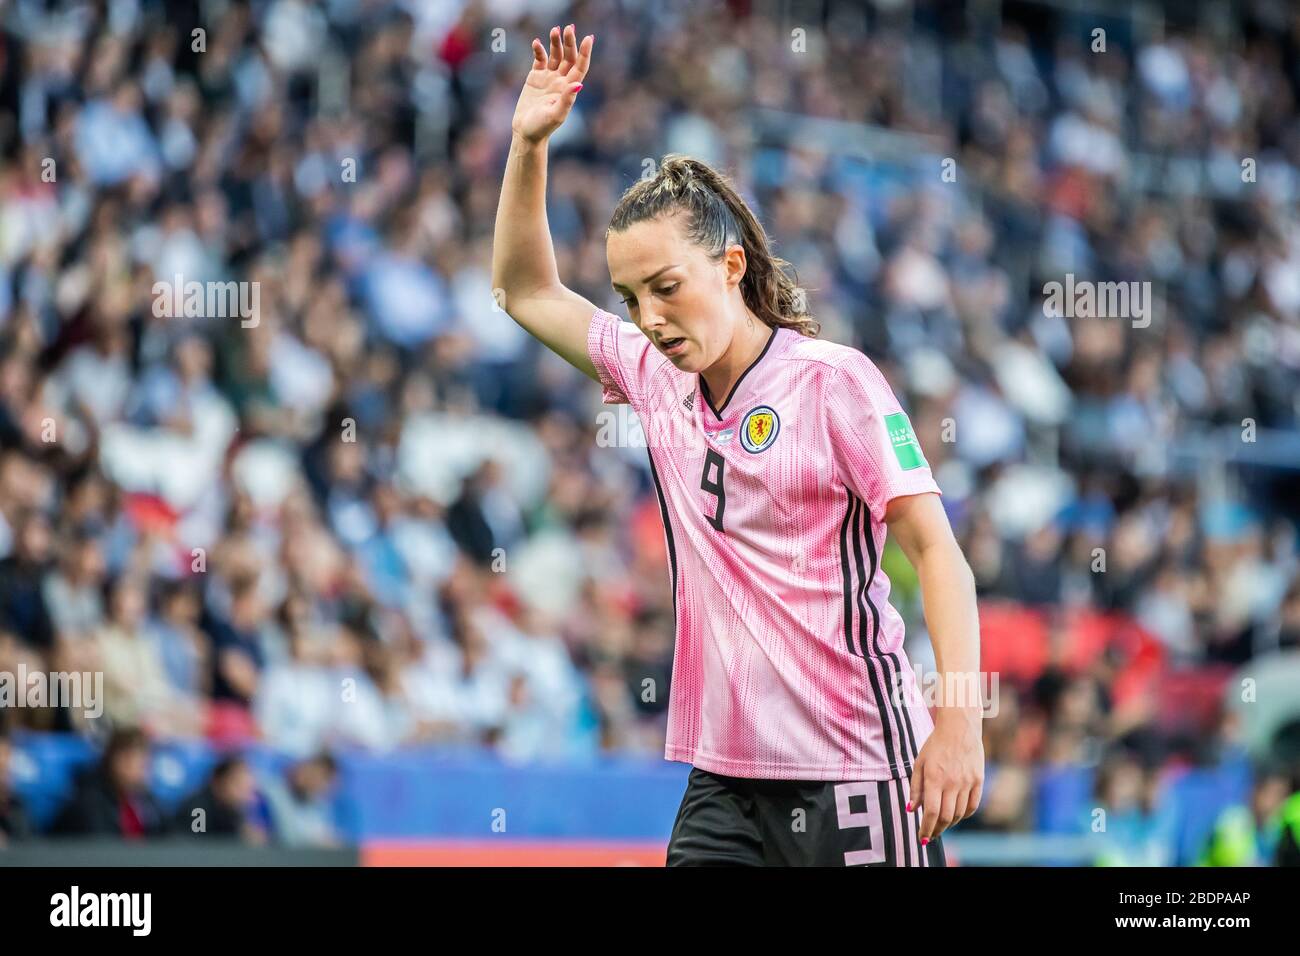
column 716, row 218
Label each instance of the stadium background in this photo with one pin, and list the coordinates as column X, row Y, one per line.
column 384, row 524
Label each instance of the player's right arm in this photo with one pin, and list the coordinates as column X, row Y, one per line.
column 523, row 257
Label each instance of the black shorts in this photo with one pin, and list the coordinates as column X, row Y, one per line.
column 734, row 821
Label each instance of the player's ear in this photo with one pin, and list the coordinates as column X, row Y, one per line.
column 734, row 264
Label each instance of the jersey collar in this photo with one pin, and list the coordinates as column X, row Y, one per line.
column 704, row 388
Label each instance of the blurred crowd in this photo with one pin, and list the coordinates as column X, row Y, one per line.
column 375, row 513
column 113, row 797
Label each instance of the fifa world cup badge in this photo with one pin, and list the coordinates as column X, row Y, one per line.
column 906, row 447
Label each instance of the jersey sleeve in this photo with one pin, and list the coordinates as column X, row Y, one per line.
column 624, row 358
column 876, row 452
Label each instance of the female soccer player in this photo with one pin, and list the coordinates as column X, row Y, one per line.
column 779, row 461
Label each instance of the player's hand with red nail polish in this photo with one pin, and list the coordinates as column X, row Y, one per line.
column 948, row 776
column 552, row 85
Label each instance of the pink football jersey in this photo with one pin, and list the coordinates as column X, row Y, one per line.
column 789, row 659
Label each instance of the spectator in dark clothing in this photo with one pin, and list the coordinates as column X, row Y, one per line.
column 113, row 798
column 236, row 644
column 14, row 822
column 1035, row 567
column 467, row 523
column 648, row 667
column 22, row 602
column 223, row 807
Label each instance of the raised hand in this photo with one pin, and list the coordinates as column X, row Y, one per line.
column 552, row 84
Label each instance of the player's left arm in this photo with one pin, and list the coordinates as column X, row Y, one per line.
column 948, row 775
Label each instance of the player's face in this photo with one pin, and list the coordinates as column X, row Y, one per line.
column 673, row 291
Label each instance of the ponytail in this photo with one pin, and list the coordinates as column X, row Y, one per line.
column 716, row 218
